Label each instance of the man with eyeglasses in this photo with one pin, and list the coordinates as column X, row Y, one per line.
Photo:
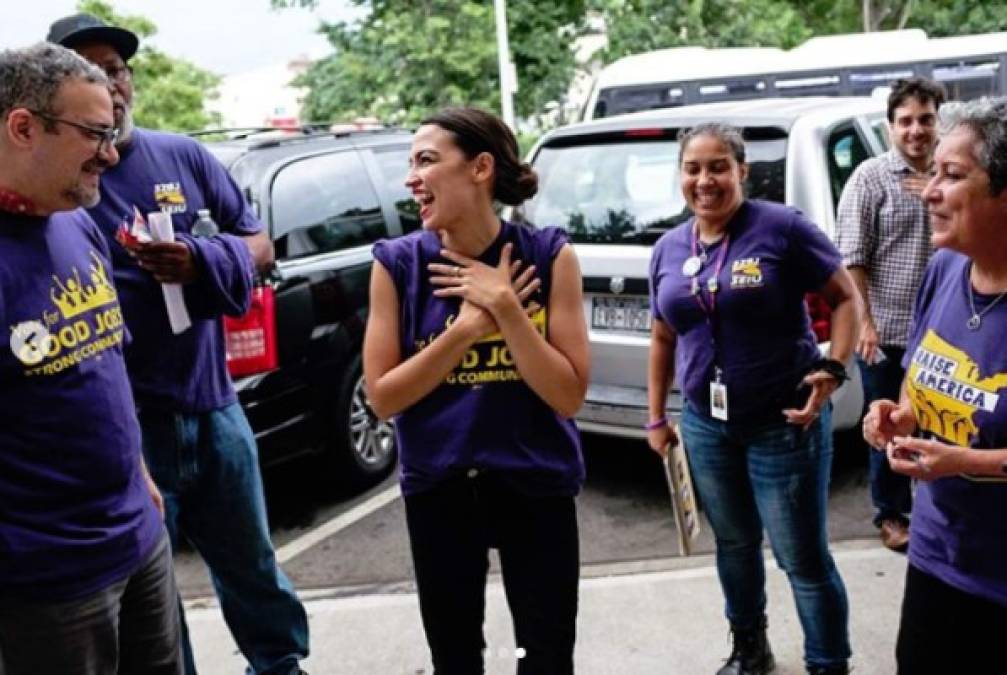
column 196, row 439
column 86, row 581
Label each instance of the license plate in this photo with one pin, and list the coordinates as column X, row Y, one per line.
column 617, row 313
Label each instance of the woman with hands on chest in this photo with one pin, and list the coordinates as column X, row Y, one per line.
column 476, row 344
column 955, row 397
column 727, row 297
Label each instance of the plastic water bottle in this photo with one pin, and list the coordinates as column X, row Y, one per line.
column 204, row 225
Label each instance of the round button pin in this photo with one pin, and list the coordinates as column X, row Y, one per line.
column 690, row 267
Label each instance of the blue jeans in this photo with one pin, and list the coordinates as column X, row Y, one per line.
column 891, row 493
column 207, row 468
column 774, row 475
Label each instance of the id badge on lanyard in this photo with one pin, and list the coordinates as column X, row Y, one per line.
column 718, row 398
column 691, row 268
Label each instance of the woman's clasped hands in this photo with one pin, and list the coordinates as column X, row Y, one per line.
column 487, row 292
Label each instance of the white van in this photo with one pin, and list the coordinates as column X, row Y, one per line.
column 833, row 65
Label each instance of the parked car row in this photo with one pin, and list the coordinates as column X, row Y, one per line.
column 324, row 198
column 613, row 184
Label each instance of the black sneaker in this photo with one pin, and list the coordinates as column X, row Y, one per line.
column 750, row 654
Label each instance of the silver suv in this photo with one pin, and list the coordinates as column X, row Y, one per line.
column 614, row 185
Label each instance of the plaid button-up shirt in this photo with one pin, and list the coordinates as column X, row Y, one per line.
column 884, row 228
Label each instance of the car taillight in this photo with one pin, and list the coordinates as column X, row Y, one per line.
column 644, row 133
column 821, row 316
column 251, row 339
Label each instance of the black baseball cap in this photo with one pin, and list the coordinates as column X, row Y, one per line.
column 71, row 31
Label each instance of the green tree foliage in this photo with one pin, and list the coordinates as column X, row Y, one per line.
column 407, row 58
column 170, row 93
column 641, row 25
column 940, row 18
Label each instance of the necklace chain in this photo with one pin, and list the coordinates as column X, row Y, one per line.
column 704, row 248
column 976, row 320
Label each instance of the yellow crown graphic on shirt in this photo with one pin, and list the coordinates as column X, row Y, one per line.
column 539, row 319
column 746, row 266
column 73, row 297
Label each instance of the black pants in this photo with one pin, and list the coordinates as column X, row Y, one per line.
column 130, row 627
column 945, row 631
column 451, row 529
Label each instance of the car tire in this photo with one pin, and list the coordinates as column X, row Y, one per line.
column 362, row 448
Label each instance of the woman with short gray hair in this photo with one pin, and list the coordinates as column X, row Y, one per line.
column 949, row 430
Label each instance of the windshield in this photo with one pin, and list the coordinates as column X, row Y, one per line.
column 627, row 192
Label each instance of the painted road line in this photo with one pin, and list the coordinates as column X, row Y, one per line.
column 321, row 599
column 295, row 547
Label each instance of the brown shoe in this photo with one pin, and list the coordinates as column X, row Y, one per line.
column 895, row 534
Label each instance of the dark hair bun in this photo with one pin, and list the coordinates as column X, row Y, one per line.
column 516, row 187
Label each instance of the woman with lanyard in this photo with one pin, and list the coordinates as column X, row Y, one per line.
column 955, row 394
column 476, row 343
column 727, row 295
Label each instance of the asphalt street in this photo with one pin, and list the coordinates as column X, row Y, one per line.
column 623, row 512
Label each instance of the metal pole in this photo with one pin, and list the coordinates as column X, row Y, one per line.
column 508, row 83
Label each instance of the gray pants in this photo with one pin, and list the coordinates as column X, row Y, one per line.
column 130, row 627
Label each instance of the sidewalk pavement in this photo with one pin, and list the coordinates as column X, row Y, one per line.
column 660, row 617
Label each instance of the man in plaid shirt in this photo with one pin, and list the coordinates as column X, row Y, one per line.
column 883, row 233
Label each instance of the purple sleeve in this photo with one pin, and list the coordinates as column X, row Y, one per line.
column 384, row 251
column 810, row 253
column 227, row 270
column 555, row 239
column 390, row 253
column 227, row 274
column 222, row 195
column 657, row 254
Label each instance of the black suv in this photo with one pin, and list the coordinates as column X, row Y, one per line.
column 295, row 358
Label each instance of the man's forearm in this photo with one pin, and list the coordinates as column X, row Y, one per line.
column 859, row 275
column 261, row 248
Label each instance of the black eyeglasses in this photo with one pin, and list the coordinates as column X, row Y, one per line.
column 106, row 137
column 119, row 74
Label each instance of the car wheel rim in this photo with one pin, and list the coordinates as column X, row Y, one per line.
column 372, row 440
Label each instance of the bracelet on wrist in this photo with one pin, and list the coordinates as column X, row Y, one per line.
column 832, row 367
column 656, row 424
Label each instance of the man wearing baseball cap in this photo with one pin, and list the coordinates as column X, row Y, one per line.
column 196, row 440
column 90, row 32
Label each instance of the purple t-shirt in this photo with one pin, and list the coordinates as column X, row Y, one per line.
column 483, row 415
column 158, row 171
column 955, row 378
column 75, row 515
column 760, row 334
